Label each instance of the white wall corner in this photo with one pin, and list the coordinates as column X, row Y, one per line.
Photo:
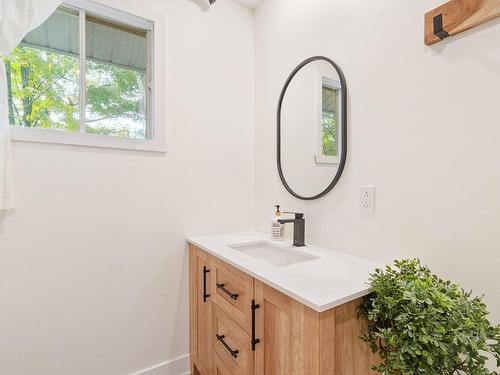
column 178, row 366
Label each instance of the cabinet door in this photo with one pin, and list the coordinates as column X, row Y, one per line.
column 200, row 310
column 288, row 332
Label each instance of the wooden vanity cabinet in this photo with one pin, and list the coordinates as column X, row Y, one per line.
column 289, row 338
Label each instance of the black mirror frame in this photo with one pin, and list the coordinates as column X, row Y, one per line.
column 343, row 156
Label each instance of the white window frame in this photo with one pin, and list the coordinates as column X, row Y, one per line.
column 319, row 158
column 155, row 141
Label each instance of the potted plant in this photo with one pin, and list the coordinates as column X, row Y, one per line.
column 420, row 324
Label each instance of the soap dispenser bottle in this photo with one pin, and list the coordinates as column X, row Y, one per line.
column 277, row 229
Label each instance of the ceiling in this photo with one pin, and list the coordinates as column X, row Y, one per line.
column 250, row 3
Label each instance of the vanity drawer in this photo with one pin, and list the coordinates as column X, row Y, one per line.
column 232, row 346
column 219, row 367
column 233, row 292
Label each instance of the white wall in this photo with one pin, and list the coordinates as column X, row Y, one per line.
column 93, row 261
column 424, row 129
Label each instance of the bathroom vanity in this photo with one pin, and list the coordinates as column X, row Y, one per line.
column 258, row 307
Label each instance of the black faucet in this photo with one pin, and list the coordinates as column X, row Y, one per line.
column 299, row 228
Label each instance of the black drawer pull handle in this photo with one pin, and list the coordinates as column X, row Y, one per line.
column 205, row 295
column 255, row 340
column 232, row 295
column 234, row 353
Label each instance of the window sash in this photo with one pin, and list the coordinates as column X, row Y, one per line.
column 82, row 8
column 111, row 14
column 85, row 7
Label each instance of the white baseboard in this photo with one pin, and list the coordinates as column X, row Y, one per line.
column 178, row 366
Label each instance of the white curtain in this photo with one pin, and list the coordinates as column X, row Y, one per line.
column 17, row 18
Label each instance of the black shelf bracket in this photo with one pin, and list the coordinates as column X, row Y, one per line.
column 438, row 27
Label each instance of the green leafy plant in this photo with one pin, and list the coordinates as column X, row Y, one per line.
column 44, row 92
column 420, row 324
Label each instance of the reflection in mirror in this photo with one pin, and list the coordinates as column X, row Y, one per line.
column 328, row 131
column 311, row 129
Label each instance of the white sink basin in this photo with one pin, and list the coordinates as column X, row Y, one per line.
column 272, row 254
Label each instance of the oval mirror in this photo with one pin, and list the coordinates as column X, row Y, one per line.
column 312, row 128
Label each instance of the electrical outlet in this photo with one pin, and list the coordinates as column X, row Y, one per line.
column 367, row 199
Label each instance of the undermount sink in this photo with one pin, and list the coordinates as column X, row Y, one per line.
column 275, row 255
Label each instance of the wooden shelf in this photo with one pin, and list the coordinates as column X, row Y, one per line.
column 457, row 16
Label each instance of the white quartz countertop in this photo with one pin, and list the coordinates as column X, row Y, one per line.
column 331, row 279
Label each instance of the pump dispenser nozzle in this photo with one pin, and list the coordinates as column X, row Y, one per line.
column 277, row 213
column 276, row 227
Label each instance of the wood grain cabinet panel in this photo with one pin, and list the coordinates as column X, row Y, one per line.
column 296, row 340
column 220, row 367
column 233, row 293
column 352, row 355
column 288, row 332
column 232, row 344
column 200, row 311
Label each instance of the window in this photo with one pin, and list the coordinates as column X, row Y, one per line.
column 86, row 72
column 328, row 146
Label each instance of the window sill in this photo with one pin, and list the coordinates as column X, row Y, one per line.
column 85, row 140
column 321, row 159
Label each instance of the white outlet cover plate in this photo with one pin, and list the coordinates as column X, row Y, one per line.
column 367, row 199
